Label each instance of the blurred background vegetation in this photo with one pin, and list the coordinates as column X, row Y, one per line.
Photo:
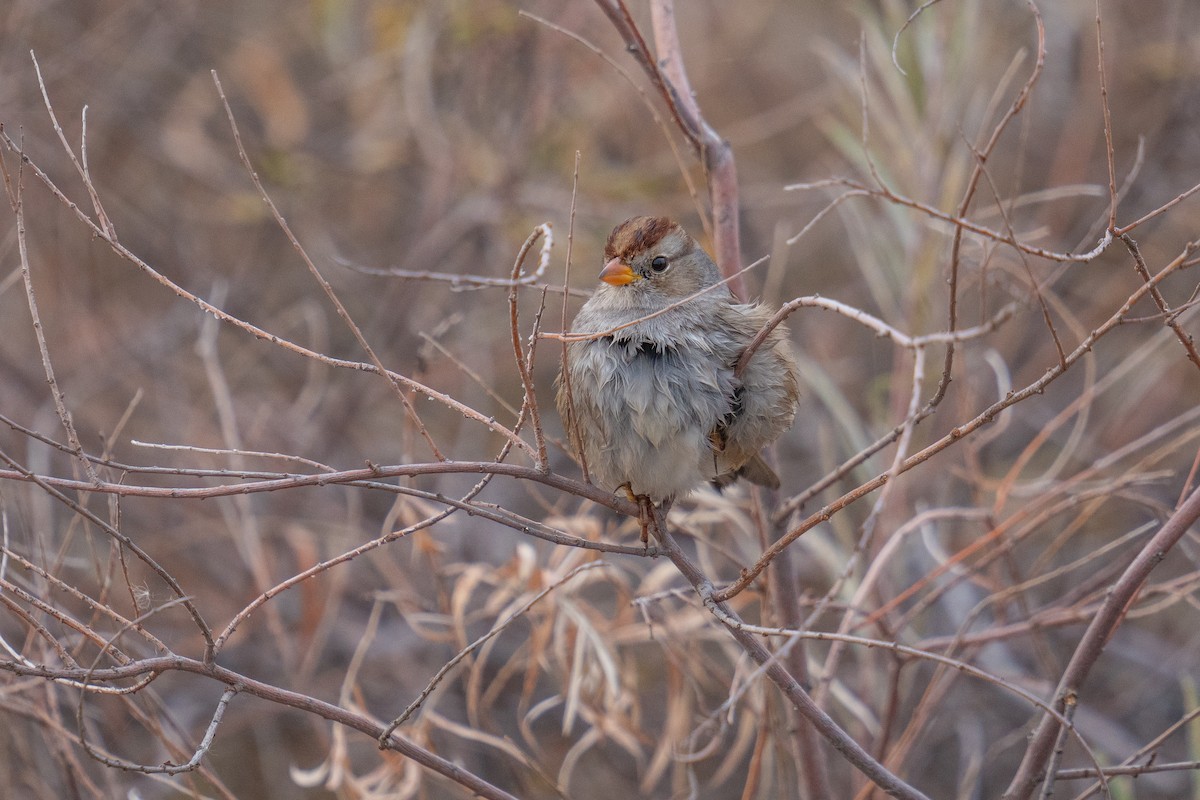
column 433, row 136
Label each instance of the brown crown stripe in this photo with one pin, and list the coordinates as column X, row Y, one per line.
column 635, row 235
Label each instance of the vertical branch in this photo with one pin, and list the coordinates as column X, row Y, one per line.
column 14, row 190
column 524, row 367
column 81, row 168
column 1108, row 135
column 982, row 156
column 785, row 593
column 715, row 153
column 1072, row 702
column 570, row 421
column 618, row 14
column 669, row 76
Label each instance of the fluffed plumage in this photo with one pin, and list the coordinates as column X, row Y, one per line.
column 655, row 405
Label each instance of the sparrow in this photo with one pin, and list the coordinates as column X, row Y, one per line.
column 650, row 399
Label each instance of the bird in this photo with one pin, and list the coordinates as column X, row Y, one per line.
column 649, row 392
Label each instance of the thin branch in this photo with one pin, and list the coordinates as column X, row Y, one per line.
column 1146, row 754
column 570, row 420
column 715, row 153
column 907, row 24
column 496, row 629
column 1071, row 702
column 841, row 741
column 1034, row 284
column 1158, row 211
column 350, row 476
column 273, row 694
column 669, row 77
column 968, row 197
column 254, row 330
column 618, row 14
column 1108, row 132
column 957, row 433
column 62, row 586
column 22, row 473
column 462, row 283
column 1091, row 645
column 871, row 322
column 524, row 366
column 80, row 168
column 14, row 190
column 584, row 337
column 684, row 173
column 1130, row 771
column 1170, row 318
column 166, row 768
column 321, row 281
column 859, row 189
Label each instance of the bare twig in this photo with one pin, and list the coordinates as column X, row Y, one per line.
column 24, row 474
column 254, row 330
column 858, row 189
column 1091, row 645
column 1169, row 316
column 1109, row 155
column 795, row 693
column 524, row 365
column 715, row 153
column 662, row 124
column 167, row 768
column 247, row 685
column 956, row 434
column 583, row 337
column 499, row 627
column 80, row 168
column 1070, row 703
column 1165, row 207
column 321, row 281
column 14, row 189
column 1145, row 754
column 570, row 419
column 669, row 77
column 350, row 476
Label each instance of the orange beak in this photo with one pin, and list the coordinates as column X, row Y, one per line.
column 615, row 273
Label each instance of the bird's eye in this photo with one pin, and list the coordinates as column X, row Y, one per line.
column 659, row 264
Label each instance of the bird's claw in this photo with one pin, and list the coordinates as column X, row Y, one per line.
column 645, row 511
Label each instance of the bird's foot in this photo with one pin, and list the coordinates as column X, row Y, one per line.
column 645, row 511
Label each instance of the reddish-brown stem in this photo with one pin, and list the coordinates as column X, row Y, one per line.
column 1091, row 645
column 1169, row 319
column 524, row 368
column 669, row 77
column 841, row 741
